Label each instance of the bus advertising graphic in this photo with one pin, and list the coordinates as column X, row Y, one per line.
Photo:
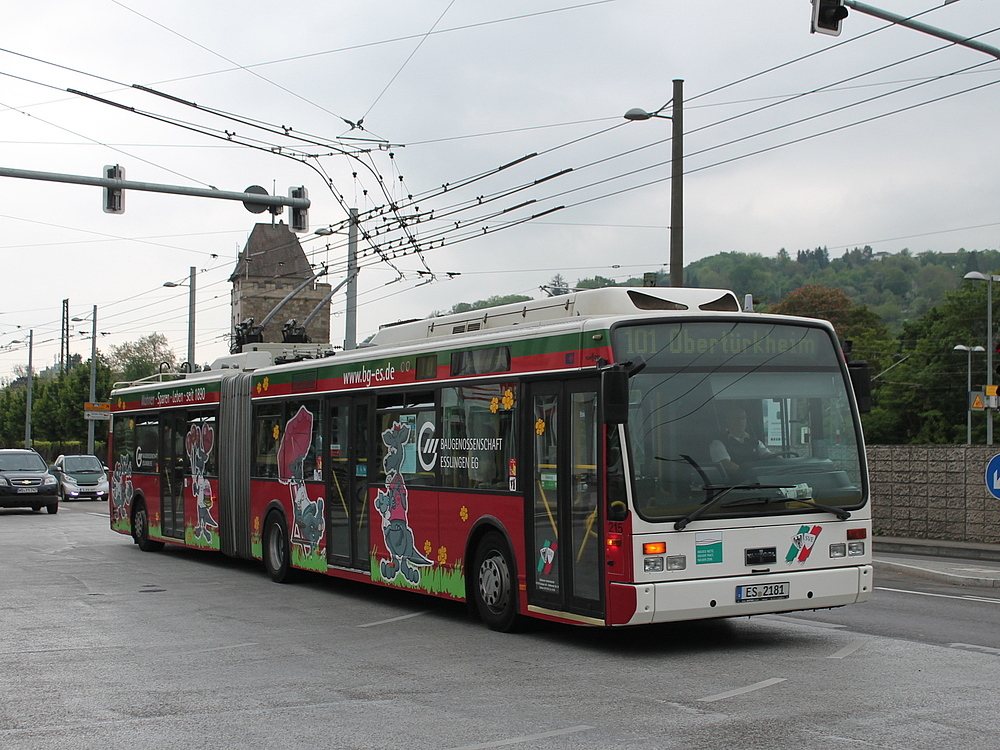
column 391, row 504
column 199, row 443
column 308, row 522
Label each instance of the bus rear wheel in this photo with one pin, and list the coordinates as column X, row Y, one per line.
column 140, row 530
column 277, row 549
column 493, row 587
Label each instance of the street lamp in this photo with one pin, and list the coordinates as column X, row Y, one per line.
column 977, row 276
column 676, row 117
column 190, row 286
column 31, row 378
column 969, row 350
column 93, row 375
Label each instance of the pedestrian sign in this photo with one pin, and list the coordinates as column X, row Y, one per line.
column 977, row 400
column 993, row 476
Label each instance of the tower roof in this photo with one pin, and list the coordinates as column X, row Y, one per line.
column 272, row 251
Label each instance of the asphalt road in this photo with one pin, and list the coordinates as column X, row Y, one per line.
column 916, row 609
column 103, row 646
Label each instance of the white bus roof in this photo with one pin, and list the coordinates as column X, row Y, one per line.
column 588, row 303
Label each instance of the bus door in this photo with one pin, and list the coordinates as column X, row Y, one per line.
column 348, row 519
column 564, row 550
column 173, row 473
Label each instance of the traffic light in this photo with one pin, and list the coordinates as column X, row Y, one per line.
column 299, row 220
column 827, row 15
column 114, row 198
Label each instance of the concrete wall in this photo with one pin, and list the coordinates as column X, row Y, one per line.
column 933, row 492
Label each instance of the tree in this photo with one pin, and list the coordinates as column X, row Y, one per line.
column 922, row 399
column 557, row 285
column 139, row 359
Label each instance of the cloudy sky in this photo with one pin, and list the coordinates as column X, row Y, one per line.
column 881, row 136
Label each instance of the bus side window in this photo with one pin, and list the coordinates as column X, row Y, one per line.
column 266, row 433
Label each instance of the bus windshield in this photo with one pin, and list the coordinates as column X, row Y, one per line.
column 757, row 411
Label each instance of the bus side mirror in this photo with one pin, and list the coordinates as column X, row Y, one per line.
column 861, row 381
column 614, row 396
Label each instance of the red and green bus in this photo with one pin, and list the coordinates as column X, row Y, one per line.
column 560, row 459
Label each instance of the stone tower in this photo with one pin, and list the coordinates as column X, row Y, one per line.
column 270, row 266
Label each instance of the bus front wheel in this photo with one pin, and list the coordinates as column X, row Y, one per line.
column 493, row 588
column 277, row 550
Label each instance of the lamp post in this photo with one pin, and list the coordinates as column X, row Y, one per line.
column 191, row 296
column 969, row 350
column 31, row 379
column 93, row 375
column 676, row 117
column 977, row 276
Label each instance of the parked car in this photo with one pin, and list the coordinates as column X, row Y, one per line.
column 81, row 478
column 25, row 481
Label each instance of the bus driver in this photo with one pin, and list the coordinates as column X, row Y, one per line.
column 737, row 447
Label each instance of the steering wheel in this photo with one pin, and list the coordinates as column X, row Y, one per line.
column 781, row 454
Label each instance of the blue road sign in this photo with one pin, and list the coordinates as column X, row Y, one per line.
column 993, row 476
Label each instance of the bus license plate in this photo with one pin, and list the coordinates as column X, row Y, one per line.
column 26, row 490
column 759, row 592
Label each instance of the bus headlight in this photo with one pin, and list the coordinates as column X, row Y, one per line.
column 838, row 550
column 855, row 548
column 676, row 562
column 652, row 564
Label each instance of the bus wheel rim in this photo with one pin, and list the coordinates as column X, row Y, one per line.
column 494, row 582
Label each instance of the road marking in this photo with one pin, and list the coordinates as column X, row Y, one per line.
column 526, row 738
column 986, row 599
column 849, row 649
column 973, row 647
column 803, row 621
column 741, row 691
column 394, row 619
column 220, row 648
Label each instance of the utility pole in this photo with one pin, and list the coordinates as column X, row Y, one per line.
column 31, row 385
column 677, row 186
column 93, row 379
column 191, row 300
column 64, row 340
column 351, row 312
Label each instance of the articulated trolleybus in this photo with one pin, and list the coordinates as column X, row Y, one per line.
column 607, row 457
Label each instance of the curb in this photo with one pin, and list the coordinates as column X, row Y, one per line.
column 937, row 548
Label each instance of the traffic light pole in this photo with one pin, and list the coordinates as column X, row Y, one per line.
column 248, row 198
column 923, row 27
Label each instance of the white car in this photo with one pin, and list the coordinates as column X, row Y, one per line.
column 81, row 478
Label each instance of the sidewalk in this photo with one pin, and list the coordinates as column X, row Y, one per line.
column 955, row 563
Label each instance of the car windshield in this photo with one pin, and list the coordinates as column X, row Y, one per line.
column 21, row 462
column 83, row 464
column 758, row 411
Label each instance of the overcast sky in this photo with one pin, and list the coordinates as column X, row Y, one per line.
column 882, row 136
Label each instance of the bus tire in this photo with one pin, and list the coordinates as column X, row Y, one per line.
column 140, row 529
column 493, row 586
column 277, row 549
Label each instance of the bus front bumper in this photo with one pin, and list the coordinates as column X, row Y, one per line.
column 674, row 601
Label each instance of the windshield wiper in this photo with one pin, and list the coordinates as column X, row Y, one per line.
column 724, row 490
column 840, row 513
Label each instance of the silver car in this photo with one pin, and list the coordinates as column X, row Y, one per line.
column 81, row 478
